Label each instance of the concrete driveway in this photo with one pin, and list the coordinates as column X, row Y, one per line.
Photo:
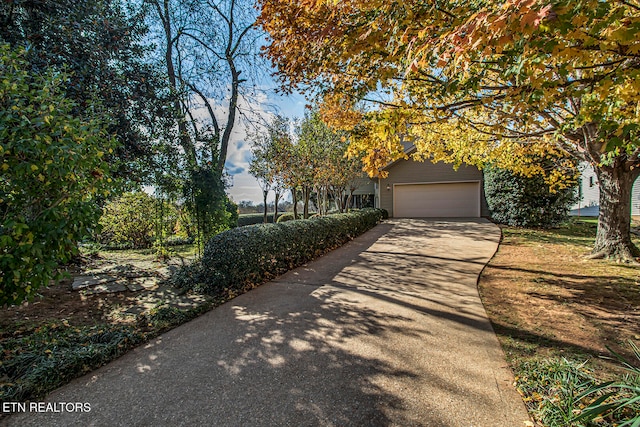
column 388, row 330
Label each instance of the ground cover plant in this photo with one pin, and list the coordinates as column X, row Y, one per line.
column 559, row 316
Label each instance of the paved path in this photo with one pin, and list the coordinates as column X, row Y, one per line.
column 388, row 330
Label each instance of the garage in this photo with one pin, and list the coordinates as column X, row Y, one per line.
column 437, row 200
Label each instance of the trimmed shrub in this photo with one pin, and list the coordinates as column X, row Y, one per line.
column 285, row 217
column 242, row 258
column 517, row 200
column 251, row 219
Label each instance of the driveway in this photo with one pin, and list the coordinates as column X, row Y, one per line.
column 388, row 330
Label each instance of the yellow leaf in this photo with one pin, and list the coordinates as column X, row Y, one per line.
column 34, row 168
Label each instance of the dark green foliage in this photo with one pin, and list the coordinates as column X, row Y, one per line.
column 52, row 169
column 615, row 400
column 99, row 43
column 241, row 258
column 550, row 388
column 208, row 204
column 166, row 317
column 251, row 219
column 35, row 362
column 521, row 201
column 43, row 360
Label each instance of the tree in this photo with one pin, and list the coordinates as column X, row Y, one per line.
column 205, row 46
column 52, row 169
column 479, row 82
column 99, row 44
column 271, row 149
column 327, row 168
column 129, row 219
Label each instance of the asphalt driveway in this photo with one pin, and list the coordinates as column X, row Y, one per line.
column 388, row 330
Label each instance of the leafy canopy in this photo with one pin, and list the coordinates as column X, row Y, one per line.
column 52, row 169
column 472, row 81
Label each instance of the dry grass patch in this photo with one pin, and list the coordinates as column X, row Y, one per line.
column 547, row 302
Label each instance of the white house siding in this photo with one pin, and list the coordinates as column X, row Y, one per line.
column 590, row 192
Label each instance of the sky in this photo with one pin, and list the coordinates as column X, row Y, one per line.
column 244, row 186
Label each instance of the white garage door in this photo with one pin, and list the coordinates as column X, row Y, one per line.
column 458, row 199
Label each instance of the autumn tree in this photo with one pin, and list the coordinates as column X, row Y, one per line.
column 323, row 149
column 490, row 82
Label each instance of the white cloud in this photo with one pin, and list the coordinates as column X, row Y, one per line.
column 254, row 112
column 245, row 186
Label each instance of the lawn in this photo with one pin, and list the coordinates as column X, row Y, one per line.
column 557, row 314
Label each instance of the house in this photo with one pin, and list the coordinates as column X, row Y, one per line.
column 589, row 194
column 424, row 189
column 363, row 195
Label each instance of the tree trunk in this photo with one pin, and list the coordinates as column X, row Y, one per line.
column 264, row 197
column 294, row 196
column 613, row 238
column 347, row 204
column 306, row 194
column 185, row 139
column 275, row 206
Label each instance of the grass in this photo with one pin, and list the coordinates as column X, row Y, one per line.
column 557, row 315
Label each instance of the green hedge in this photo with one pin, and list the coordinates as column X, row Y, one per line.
column 525, row 202
column 244, row 257
column 287, row 216
column 251, row 219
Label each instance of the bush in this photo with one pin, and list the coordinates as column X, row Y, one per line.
column 52, row 169
column 241, row 258
column 129, row 221
column 210, row 208
column 288, row 216
column 549, row 388
column 521, row 201
column 251, row 219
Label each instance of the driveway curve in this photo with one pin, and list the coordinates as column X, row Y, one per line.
column 387, row 330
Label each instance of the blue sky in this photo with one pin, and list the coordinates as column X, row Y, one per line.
column 244, row 186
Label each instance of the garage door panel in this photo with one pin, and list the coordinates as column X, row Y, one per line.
column 437, row 200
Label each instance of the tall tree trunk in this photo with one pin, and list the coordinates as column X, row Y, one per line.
column 264, row 198
column 294, row 196
column 185, row 139
column 613, row 238
column 275, row 206
column 306, row 193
